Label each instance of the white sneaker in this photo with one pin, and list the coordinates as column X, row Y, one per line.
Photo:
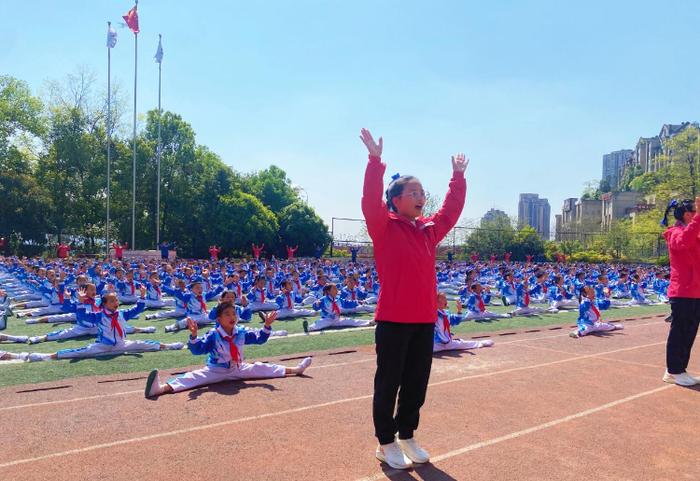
column 486, row 343
column 392, row 455
column 413, row 451
column 683, row 379
column 35, row 339
column 153, row 384
column 171, row 328
column 303, row 365
column 175, row 346
column 280, row 333
column 574, row 334
column 38, row 356
column 148, row 330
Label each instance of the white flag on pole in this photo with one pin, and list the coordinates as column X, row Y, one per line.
column 111, row 37
column 159, row 53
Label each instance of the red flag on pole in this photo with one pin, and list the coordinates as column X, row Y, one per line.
column 132, row 20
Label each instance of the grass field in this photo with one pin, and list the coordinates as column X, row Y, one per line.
column 28, row 373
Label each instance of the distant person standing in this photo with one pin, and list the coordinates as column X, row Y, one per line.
column 353, row 252
column 684, row 289
column 62, row 250
column 119, row 249
column 214, row 253
column 3, row 244
column 165, row 249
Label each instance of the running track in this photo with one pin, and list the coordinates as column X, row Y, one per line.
column 536, row 406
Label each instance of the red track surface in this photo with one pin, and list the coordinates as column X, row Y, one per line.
column 536, row 406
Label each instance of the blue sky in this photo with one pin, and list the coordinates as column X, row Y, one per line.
column 534, row 92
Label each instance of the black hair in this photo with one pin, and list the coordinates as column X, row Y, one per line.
column 395, row 189
column 327, row 289
column 581, row 292
column 224, row 306
column 679, row 208
column 225, row 292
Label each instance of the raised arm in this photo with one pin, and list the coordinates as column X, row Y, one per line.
column 448, row 215
column 373, row 206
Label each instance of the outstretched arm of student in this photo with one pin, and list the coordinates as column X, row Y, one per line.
column 448, row 215
column 373, row 206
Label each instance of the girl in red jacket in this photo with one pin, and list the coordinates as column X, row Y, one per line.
column 404, row 250
column 684, row 290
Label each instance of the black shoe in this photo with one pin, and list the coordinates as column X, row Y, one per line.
column 305, row 325
column 669, row 318
column 3, row 321
column 262, row 317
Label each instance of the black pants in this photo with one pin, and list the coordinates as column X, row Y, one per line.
column 684, row 327
column 404, row 358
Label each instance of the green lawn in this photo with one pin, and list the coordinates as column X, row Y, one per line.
column 28, row 373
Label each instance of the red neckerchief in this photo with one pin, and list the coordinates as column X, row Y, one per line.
column 131, row 284
column 157, row 290
column 354, row 296
column 482, row 307
column 233, row 349
column 595, row 311
column 238, row 290
column 527, row 297
column 202, row 304
column 298, row 284
column 262, row 295
column 336, row 309
column 115, row 321
column 289, row 301
column 445, row 323
column 60, row 296
column 270, row 287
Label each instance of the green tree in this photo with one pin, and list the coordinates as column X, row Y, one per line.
column 239, row 220
column 493, row 237
column 272, row 187
column 299, row 225
column 526, row 242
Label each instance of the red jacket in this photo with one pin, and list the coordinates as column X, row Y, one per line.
column 684, row 253
column 405, row 253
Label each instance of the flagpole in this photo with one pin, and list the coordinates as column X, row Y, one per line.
column 133, row 166
column 160, row 66
column 109, row 127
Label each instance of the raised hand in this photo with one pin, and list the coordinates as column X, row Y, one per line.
column 269, row 318
column 143, row 291
column 373, row 148
column 192, row 326
column 459, row 306
column 459, row 162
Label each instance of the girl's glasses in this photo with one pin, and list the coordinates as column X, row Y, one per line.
column 416, row 194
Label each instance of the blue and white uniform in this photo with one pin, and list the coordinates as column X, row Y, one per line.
column 589, row 320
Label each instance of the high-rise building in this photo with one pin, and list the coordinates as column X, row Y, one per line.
column 613, row 166
column 534, row 212
column 494, row 214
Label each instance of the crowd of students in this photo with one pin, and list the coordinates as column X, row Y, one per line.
column 87, row 295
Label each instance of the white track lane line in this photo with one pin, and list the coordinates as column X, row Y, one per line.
column 372, row 359
column 507, row 437
column 297, row 410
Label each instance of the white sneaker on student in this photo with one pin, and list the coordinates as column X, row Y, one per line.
column 153, row 384
column 38, row 356
column 280, row 333
column 303, row 365
column 683, row 379
column 175, row 346
column 413, row 451
column 392, row 455
column 148, row 330
column 486, row 343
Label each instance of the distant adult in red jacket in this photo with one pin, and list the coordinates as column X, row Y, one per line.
column 404, row 248
column 684, row 289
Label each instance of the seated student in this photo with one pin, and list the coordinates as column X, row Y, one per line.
column 507, row 288
column 195, row 305
column 180, row 308
column 111, row 333
column 127, row 287
column 476, row 305
column 259, row 297
column 660, row 286
column 154, row 296
column 8, row 337
column 83, row 327
column 225, row 362
column 443, row 340
column 637, row 292
column 621, row 289
column 52, row 302
column 603, row 293
column 522, row 301
column 316, row 290
column 560, row 297
column 353, row 298
column 589, row 316
column 538, row 293
column 330, row 313
column 287, row 302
